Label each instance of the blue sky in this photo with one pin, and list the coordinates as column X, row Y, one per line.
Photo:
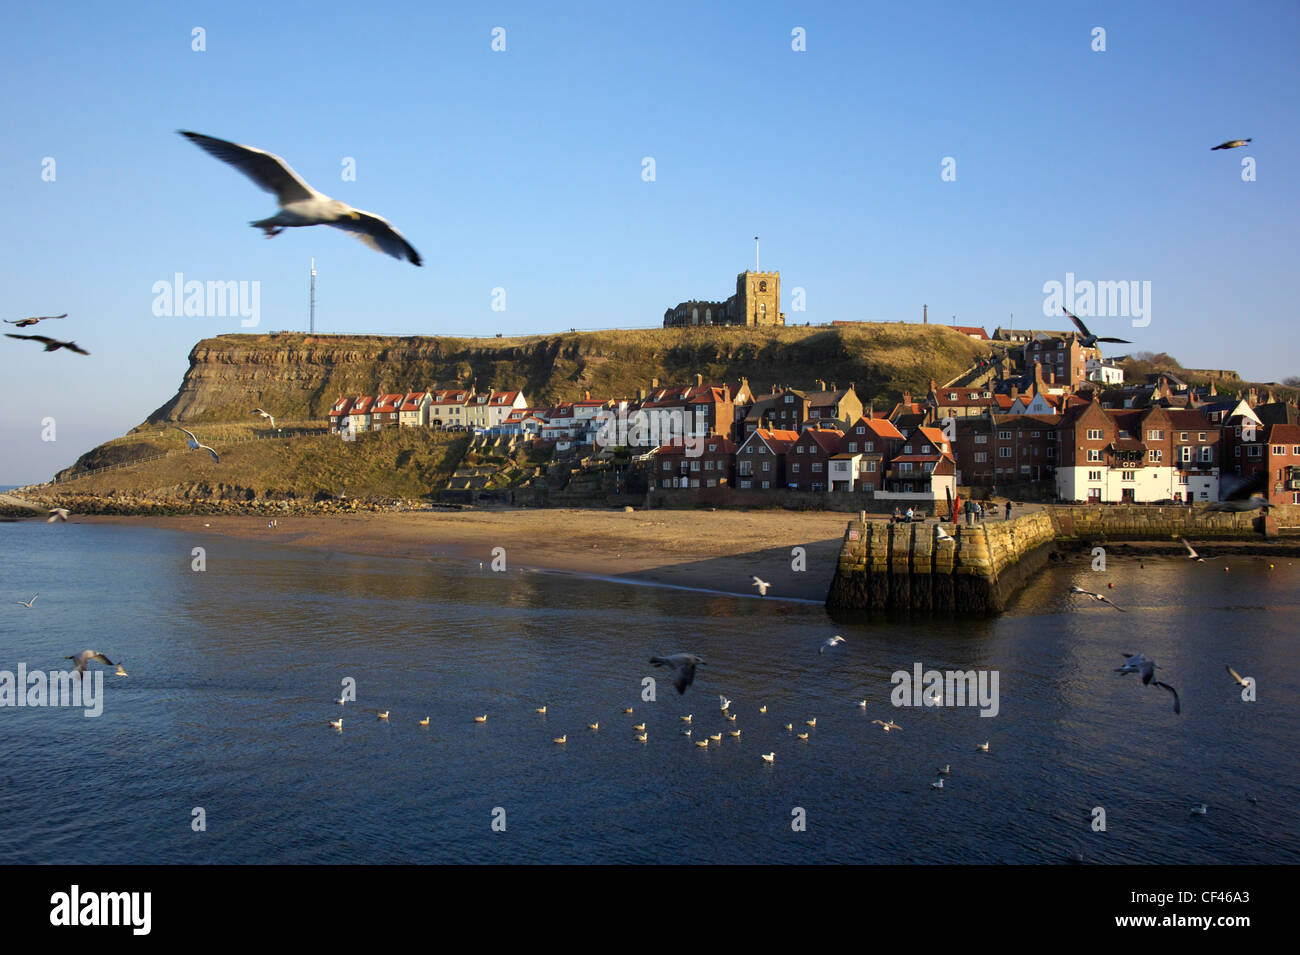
column 522, row 170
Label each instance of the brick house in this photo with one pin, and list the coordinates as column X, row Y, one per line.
column 807, row 464
column 385, row 413
column 761, row 457
column 339, row 414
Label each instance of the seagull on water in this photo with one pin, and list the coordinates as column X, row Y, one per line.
column 686, row 718
column 1200, row 810
column 862, row 704
column 193, row 442
column 28, row 603
column 1146, row 668
column 716, row 737
column 768, row 757
column 723, row 702
column 730, row 716
column 264, row 414
column 337, row 724
column 683, row 665
column 1241, row 680
column 627, row 709
column 811, row 722
column 542, row 710
column 701, row 743
column 1089, row 340
column 300, row 204
column 1231, row 144
column 593, row 726
column 639, row 727
column 481, row 719
column 425, row 721
column 24, row 322
column 1075, row 589
column 1192, row 555
column 342, row 700
column 561, row 740
column 735, row 733
column 762, row 586
column 51, row 344
column 85, row 656
column 57, row 514
column 938, row 785
column 641, row 737
column 801, row 735
column 947, row 770
column 891, row 725
column 686, row 732
column 834, row 641
column 789, row 727
column 763, row 708
column 982, row 747
column 383, row 715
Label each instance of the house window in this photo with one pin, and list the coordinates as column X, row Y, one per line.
column 1154, row 435
column 1093, row 455
column 762, row 449
column 981, row 439
column 1156, row 455
column 859, row 430
column 853, row 447
column 817, row 467
column 871, row 467
column 1185, row 454
column 795, row 467
column 1279, row 449
column 1200, row 436
column 1184, row 436
column 1004, row 435
column 789, row 399
column 668, row 466
column 871, row 446
column 1094, row 434
column 981, row 457
column 1253, row 450
column 907, row 449
column 952, row 396
column 767, row 465
column 708, row 465
column 766, row 485
column 1094, row 475
column 799, row 450
column 1005, row 452
column 905, row 467
column 1036, row 433
column 1128, row 476
column 1207, row 454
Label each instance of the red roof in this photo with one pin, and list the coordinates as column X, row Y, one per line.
column 341, row 407
column 413, row 400
column 825, row 438
column 388, row 404
column 362, row 405
column 880, row 427
column 777, row 439
column 972, row 330
column 1284, row 433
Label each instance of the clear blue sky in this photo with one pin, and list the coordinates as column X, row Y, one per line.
column 522, row 170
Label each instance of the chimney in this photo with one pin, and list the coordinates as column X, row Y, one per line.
column 833, row 388
column 1051, row 377
column 654, row 383
column 907, row 397
column 1015, row 392
column 640, row 394
column 925, row 315
column 699, row 381
column 586, row 396
column 821, row 385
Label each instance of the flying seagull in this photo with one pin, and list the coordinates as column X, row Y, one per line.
column 1146, row 668
column 891, row 725
column 57, row 514
column 193, row 442
column 1231, row 144
column 1089, row 339
column 1101, row 597
column 1192, row 555
column 762, row 586
column 85, row 656
column 943, row 535
column 24, row 322
column 28, row 603
column 265, row 414
column 723, row 702
column 834, row 641
column 683, row 665
column 121, row 671
column 1241, row 680
column 300, row 204
column 1254, row 502
column 51, row 344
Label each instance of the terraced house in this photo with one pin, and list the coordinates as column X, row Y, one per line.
column 761, row 458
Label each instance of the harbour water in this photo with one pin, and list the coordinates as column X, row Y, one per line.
column 234, row 670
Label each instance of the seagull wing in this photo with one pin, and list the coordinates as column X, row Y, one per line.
column 1235, row 675
column 1117, row 341
column 215, row 456
column 269, row 171
column 49, row 343
column 375, row 232
column 683, row 677
column 193, row 441
column 1178, row 706
column 73, row 346
column 1078, row 323
column 1191, row 551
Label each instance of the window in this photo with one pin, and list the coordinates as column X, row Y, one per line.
column 905, row 467
column 907, row 449
column 1279, row 449
column 1094, row 475
column 1156, row 455
column 695, row 465
column 1182, row 479
column 871, row 467
column 1094, row 434
column 1183, row 437
column 859, row 430
column 1200, row 436
column 981, row 439
column 1128, row 476
column 1004, row 435
column 981, row 457
column 799, row 450
column 668, row 465
column 817, row 467
column 1093, row 455
column 708, row 465
column 766, row 485
column 789, row 399
column 794, row 468
column 1006, row 452
column 1185, row 454
column 1253, row 450
column 1207, row 454
column 952, row 396
column 853, row 447
column 762, row 449
column 1036, row 433
column 767, row 466
column 871, row 446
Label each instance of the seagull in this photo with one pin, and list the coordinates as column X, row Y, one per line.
column 686, row 732
column 193, row 442
column 642, row 737
column 264, row 414
column 811, row 722
column 801, row 735
column 1231, row 144
column 947, row 770
column 337, row 724
column 1241, row 680
column 789, row 727
column 593, row 726
column 716, row 737
column 561, row 740
column 683, row 664
column 542, row 710
column 425, row 721
column 1138, row 663
column 342, row 700
column 768, row 757
column 735, row 733
column 701, row 743
column 763, row 708
column 1090, row 340
column 300, row 204
column 481, row 719
column 1192, row 555
column 723, row 702
column 943, row 535
column 639, row 727
column 891, row 725
column 982, row 747
column 121, row 671
column 85, row 656
column 384, row 715
column 1074, row 589
column 762, row 586
column 57, row 514
column 28, row 603
column 834, row 641
column 51, row 344
column 1254, row 502
column 24, row 322
column 938, row 785
column 730, row 716
column 1200, row 810
column 627, row 709
column 862, row 704
column 686, row 718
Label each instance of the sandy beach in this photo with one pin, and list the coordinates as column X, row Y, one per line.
column 712, row 550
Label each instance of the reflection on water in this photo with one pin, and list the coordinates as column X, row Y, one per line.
column 233, row 673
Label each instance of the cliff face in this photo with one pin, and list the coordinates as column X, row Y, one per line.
column 298, row 376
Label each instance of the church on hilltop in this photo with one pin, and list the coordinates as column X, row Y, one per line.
column 757, row 302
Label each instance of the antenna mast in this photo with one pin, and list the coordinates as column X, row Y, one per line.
column 311, row 327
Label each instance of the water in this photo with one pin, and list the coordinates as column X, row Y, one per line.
column 233, row 672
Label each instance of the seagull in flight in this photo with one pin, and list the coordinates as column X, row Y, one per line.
column 24, row 322
column 121, row 671
column 1254, row 502
column 28, row 603
column 1241, row 680
column 943, row 535
column 85, row 656
column 300, row 204
column 1192, row 555
column 834, row 641
column 265, row 414
column 891, row 725
column 193, row 442
column 683, row 665
column 1231, row 144
column 57, row 514
column 1101, row 597
column 1146, row 668
column 51, row 344
column 762, row 586
column 1089, row 339
column 723, row 702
